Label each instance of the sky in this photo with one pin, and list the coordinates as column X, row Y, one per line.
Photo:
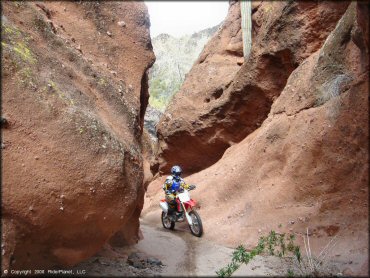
column 179, row 18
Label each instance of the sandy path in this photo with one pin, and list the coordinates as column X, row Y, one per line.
column 186, row 255
column 180, row 251
column 181, row 254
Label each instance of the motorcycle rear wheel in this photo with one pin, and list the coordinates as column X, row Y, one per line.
column 196, row 228
column 166, row 221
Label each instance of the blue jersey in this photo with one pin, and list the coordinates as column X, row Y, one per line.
column 173, row 184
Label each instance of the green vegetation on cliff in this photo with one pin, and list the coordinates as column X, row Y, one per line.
column 174, row 58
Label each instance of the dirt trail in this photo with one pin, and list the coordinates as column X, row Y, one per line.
column 186, row 255
column 180, row 253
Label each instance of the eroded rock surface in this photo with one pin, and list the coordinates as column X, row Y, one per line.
column 223, row 99
column 306, row 166
column 74, row 93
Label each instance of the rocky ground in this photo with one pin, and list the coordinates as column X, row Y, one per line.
column 174, row 253
column 120, row 262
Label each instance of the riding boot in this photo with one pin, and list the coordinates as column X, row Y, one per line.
column 180, row 213
column 172, row 210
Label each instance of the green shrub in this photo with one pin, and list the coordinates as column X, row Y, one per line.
column 282, row 245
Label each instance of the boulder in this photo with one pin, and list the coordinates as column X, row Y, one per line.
column 72, row 171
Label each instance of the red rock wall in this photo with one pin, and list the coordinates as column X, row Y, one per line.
column 306, row 166
column 220, row 104
column 73, row 92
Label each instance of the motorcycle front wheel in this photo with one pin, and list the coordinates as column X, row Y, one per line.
column 166, row 221
column 196, row 227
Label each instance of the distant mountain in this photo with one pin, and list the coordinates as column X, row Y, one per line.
column 175, row 57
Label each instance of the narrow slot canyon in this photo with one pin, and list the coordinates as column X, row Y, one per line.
column 96, row 111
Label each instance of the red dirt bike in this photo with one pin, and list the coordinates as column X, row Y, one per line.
column 185, row 210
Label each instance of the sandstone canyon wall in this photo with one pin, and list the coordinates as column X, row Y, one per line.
column 222, row 101
column 299, row 107
column 74, row 94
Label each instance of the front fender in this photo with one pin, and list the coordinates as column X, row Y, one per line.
column 189, row 204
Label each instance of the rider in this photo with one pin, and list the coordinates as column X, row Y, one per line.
column 172, row 185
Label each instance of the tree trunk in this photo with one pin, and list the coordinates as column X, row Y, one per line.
column 246, row 11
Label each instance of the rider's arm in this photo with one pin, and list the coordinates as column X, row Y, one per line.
column 187, row 186
column 184, row 185
column 167, row 184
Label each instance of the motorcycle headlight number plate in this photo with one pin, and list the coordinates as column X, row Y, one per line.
column 184, row 197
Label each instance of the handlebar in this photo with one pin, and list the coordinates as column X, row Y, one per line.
column 191, row 187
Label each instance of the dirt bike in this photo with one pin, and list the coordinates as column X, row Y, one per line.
column 185, row 206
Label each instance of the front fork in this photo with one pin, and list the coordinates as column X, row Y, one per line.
column 190, row 221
